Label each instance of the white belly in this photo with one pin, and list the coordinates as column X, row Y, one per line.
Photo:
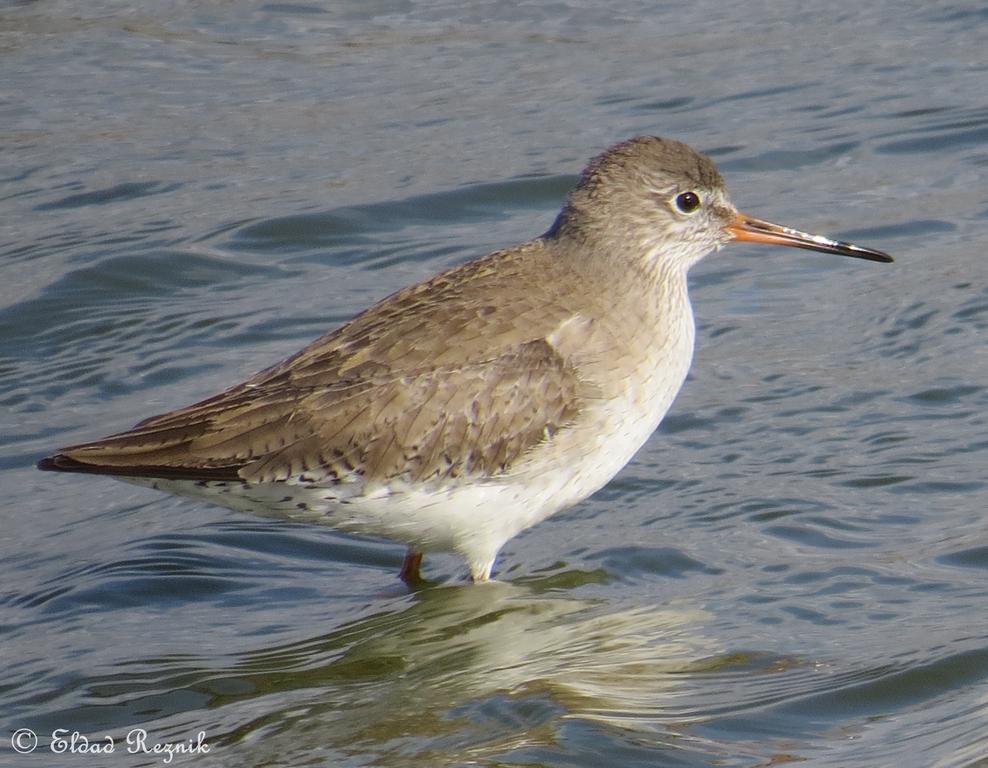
column 472, row 519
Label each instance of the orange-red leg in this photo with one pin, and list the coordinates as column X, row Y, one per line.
column 409, row 572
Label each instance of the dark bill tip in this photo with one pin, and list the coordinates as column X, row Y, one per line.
column 752, row 230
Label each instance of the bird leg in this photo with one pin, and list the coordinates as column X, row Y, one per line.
column 409, row 572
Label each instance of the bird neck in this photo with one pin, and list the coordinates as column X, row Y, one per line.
column 624, row 269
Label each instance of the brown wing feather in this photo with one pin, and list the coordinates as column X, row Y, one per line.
column 442, row 405
column 440, row 423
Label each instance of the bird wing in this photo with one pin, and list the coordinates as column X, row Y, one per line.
column 433, row 382
column 370, row 426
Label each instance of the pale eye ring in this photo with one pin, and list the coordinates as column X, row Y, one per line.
column 687, row 202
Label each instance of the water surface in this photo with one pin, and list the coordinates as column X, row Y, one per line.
column 791, row 571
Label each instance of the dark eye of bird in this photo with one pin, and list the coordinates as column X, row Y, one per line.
column 687, row 202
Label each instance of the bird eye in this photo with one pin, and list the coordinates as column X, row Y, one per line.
column 687, row 202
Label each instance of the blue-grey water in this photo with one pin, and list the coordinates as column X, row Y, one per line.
column 793, row 570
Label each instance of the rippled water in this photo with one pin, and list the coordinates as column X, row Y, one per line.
column 792, row 570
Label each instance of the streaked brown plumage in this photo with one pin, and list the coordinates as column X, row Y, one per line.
column 493, row 387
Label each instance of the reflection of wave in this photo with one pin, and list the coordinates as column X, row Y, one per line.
column 460, row 674
column 465, row 671
column 518, row 673
column 394, row 683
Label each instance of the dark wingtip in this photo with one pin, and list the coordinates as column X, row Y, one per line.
column 54, row 463
column 62, row 463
